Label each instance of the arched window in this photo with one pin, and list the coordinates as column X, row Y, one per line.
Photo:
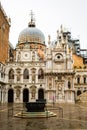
column 11, row 74
column 78, row 80
column 69, row 84
column 26, row 74
column 40, row 74
column 84, row 80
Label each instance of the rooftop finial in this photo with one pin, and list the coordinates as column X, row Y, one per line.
column 61, row 28
column 57, row 34
column 49, row 39
column 32, row 23
column 31, row 13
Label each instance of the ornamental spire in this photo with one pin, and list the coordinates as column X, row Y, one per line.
column 32, row 22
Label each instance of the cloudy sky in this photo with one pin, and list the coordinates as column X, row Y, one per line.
column 49, row 15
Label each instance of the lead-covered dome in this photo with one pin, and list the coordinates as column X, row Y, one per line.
column 31, row 35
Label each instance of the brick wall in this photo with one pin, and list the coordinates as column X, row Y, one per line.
column 4, row 36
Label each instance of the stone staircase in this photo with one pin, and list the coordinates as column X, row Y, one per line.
column 82, row 97
column 35, row 114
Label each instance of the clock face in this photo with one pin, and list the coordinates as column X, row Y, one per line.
column 26, row 55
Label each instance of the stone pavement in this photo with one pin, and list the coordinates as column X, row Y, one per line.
column 74, row 118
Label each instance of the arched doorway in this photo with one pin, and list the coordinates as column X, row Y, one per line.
column 41, row 94
column 25, row 95
column 10, row 96
column 78, row 92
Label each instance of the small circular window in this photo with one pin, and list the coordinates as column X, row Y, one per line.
column 58, row 57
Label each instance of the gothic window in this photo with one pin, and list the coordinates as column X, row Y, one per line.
column 78, row 80
column 40, row 74
column 69, row 84
column 26, row 74
column 11, row 74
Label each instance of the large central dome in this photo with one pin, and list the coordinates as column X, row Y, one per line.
column 31, row 35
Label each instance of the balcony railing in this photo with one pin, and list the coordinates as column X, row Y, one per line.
column 59, row 71
column 11, row 80
column 2, row 80
column 26, row 80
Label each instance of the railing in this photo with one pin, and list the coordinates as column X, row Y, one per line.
column 12, row 111
column 2, row 80
column 26, row 80
column 57, row 110
column 59, row 71
column 11, row 80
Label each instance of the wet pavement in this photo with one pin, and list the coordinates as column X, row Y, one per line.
column 74, row 117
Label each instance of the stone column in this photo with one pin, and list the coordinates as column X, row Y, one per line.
column 6, row 96
column 0, row 93
column 14, row 96
column 21, row 95
column 2, row 96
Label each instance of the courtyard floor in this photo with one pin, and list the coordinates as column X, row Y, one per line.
column 74, row 117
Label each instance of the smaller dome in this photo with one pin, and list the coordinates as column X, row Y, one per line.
column 31, row 34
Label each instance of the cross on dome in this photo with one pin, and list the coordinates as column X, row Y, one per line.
column 32, row 14
column 32, row 22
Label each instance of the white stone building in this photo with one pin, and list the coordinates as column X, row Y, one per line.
column 37, row 71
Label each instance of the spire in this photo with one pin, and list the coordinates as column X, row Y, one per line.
column 57, row 34
column 32, row 22
column 49, row 39
column 61, row 28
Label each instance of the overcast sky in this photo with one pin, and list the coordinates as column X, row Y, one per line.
column 49, row 15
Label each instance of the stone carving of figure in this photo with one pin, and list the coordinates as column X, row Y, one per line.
column 18, row 93
column 33, row 77
column 18, row 77
column 33, row 93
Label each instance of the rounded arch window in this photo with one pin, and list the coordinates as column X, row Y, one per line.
column 40, row 74
column 78, row 80
column 26, row 74
column 69, row 84
column 84, row 80
column 11, row 74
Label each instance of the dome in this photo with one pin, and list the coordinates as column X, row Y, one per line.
column 31, row 34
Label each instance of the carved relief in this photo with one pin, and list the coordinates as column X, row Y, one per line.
column 17, row 93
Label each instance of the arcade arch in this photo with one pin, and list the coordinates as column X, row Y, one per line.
column 10, row 96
